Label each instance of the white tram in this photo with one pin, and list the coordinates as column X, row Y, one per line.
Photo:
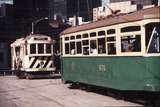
column 33, row 55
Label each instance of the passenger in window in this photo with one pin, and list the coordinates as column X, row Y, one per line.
column 130, row 48
column 86, row 51
column 136, row 45
column 94, row 49
column 73, row 52
column 100, row 49
column 111, row 49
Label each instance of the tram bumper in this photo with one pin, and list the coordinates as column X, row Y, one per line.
column 40, row 70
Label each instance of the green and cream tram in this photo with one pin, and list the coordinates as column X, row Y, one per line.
column 120, row 52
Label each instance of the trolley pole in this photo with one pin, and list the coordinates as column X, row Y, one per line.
column 35, row 22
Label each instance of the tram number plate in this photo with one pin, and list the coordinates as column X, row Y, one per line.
column 102, row 67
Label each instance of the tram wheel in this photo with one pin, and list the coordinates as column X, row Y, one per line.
column 28, row 76
column 17, row 73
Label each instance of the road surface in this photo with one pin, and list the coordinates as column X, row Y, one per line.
column 16, row 92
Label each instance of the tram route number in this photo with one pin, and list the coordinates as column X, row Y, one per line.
column 102, row 67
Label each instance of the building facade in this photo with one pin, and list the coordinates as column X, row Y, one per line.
column 144, row 2
column 6, row 1
column 82, row 8
column 123, row 6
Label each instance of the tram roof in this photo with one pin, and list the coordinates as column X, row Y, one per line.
column 35, row 35
column 20, row 41
column 153, row 12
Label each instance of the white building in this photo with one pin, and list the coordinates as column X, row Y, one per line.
column 6, row 1
column 74, row 21
column 123, row 7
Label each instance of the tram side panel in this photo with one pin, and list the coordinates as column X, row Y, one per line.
column 121, row 73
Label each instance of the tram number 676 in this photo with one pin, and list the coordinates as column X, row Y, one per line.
column 102, row 67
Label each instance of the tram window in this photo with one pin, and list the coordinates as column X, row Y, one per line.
column 85, row 42
column 17, row 49
column 66, row 48
column 111, row 31
column 154, row 42
column 101, row 33
column 66, row 38
column 32, row 48
column 101, row 46
column 93, row 47
column 85, row 50
column 79, row 47
column 131, row 43
column 26, row 51
column 109, row 39
column 131, row 28
column 72, row 37
column 61, row 48
column 93, row 34
column 72, row 48
column 78, row 36
column 111, row 48
column 40, row 48
column 85, row 35
column 48, row 48
column 111, row 45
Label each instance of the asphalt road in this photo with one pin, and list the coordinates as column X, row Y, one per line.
column 16, row 92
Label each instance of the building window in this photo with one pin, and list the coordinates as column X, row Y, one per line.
column 139, row 6
column 1, row 57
